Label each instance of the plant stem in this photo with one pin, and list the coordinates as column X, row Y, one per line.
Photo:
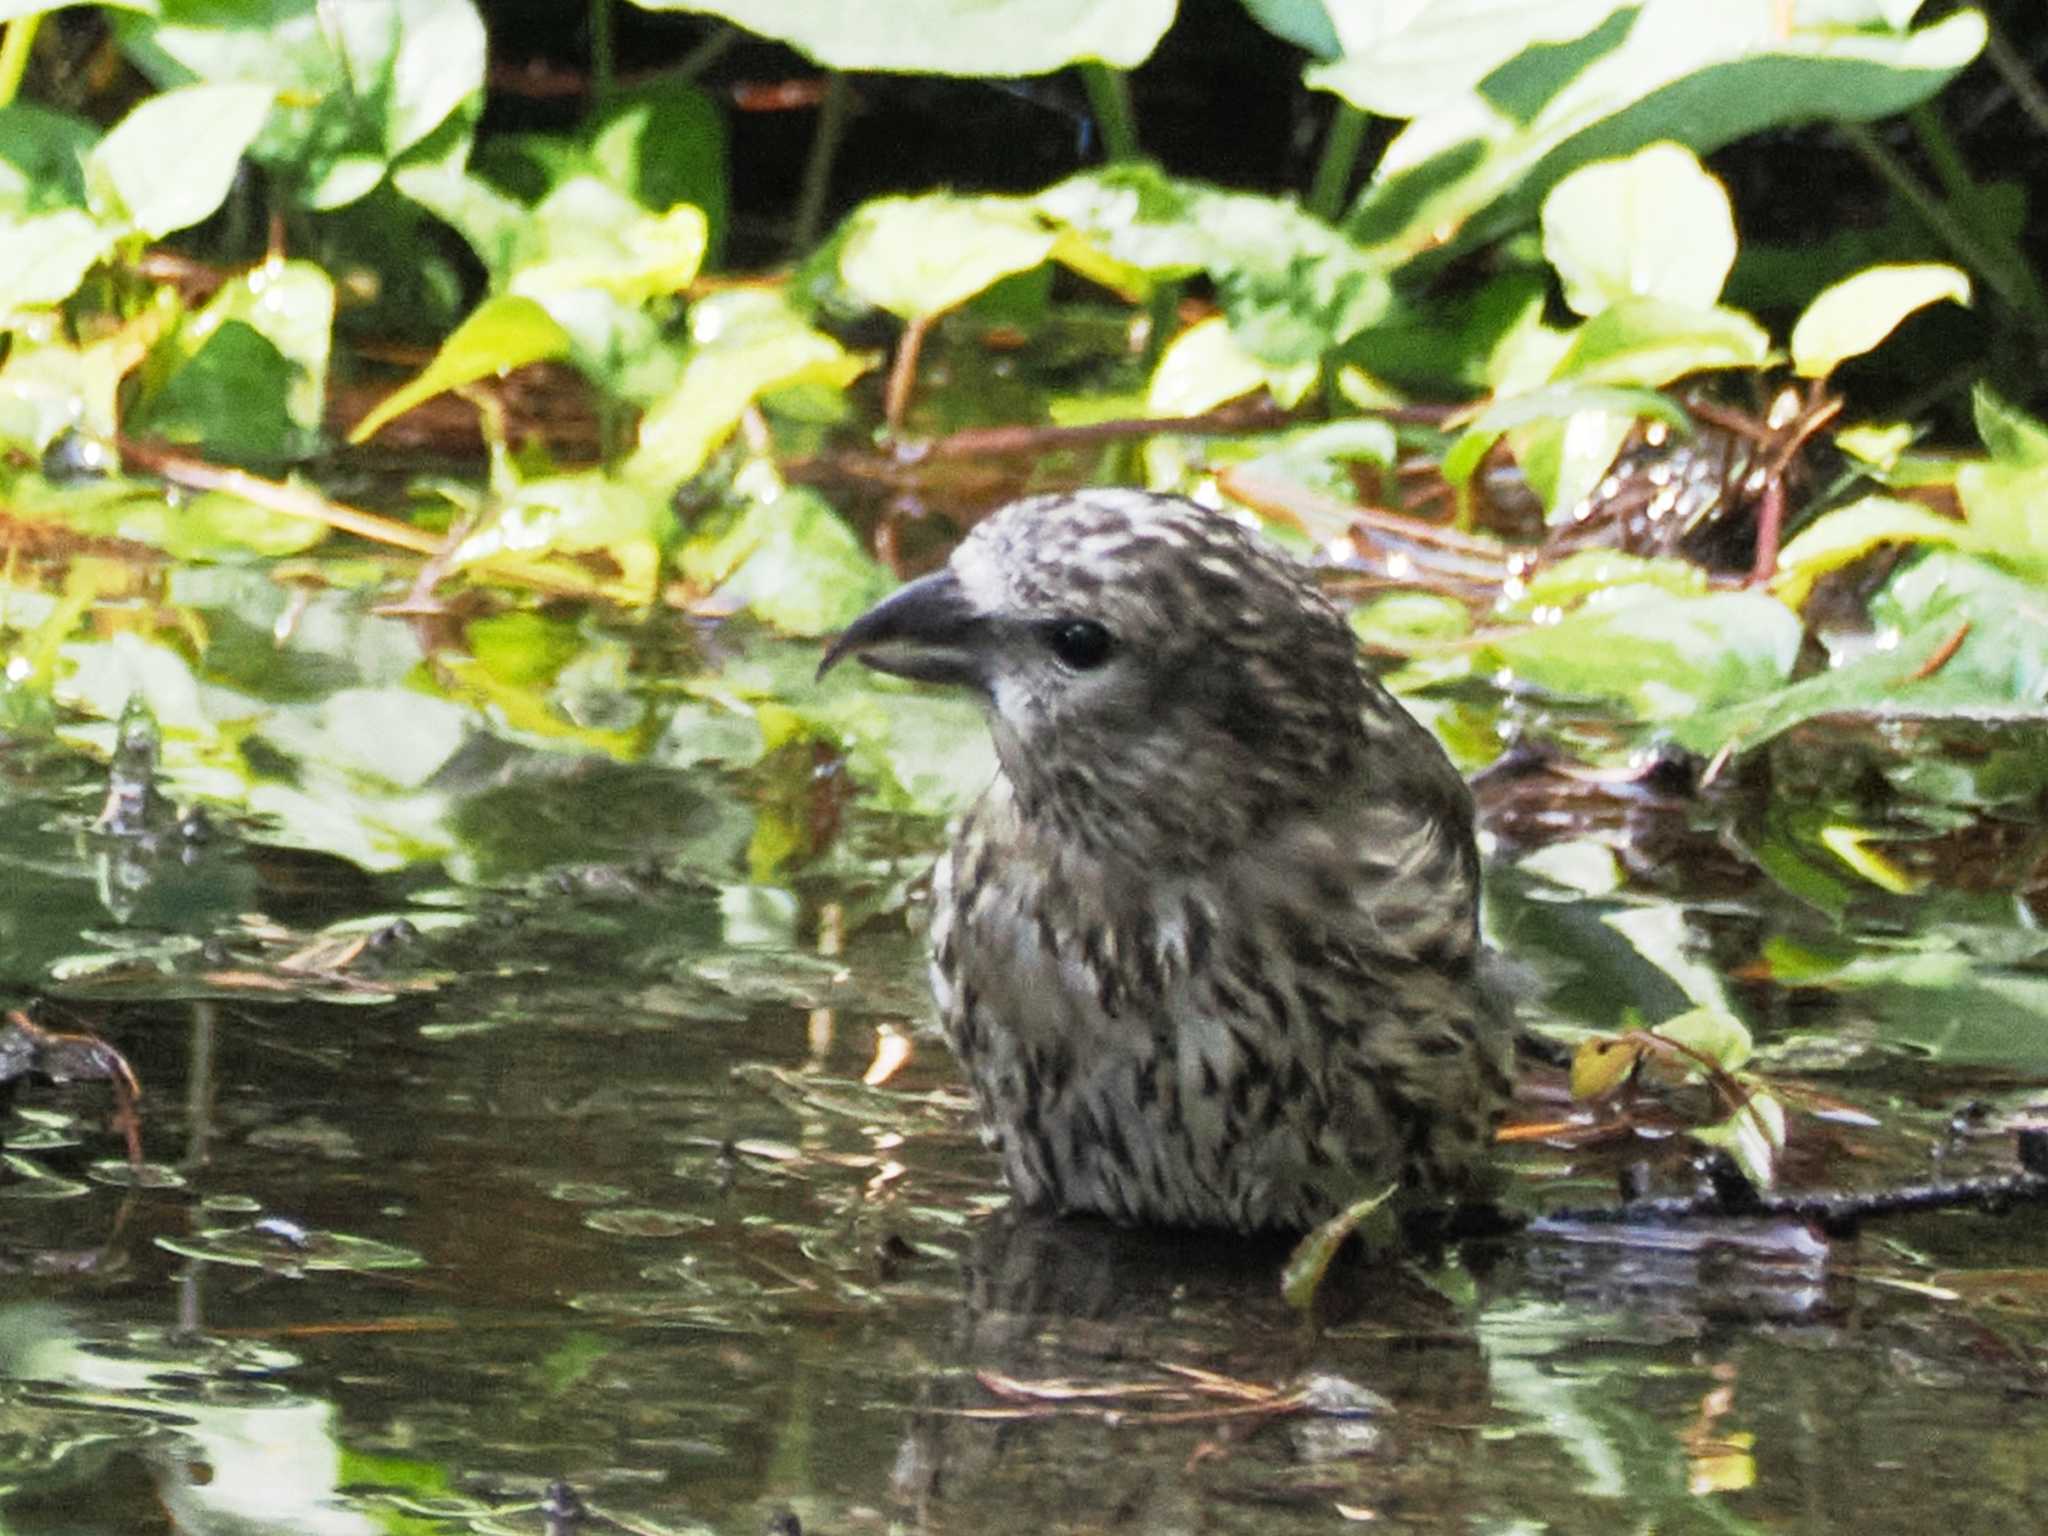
column 707, row 53
column 817, row 182
column 1340, row 158
column 603, row 63
column 1940, row 148
column 2012, row 283
column 2018, row 77
column 15, row 45
column 1109, row 95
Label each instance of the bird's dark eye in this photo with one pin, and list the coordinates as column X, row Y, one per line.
column 1081, row 644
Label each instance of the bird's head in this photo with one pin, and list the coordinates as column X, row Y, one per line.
column 1156, row 676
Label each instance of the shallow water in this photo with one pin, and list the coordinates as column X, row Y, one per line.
column 528, row 1142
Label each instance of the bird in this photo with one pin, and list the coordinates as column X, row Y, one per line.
column 1207, row 947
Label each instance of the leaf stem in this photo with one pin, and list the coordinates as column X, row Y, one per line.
column 817, row 183
column 15, row 46
column 2012, row 283
column 2018, row 76
column 1339, row 160
column 603, row 51
column 1109, row 95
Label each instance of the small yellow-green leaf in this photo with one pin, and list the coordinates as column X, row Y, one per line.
column 1854, row 315
column 1306, row 1265
column 500, row 334
column 1200, row 369
column 1852, row 845
column 1601, row 1065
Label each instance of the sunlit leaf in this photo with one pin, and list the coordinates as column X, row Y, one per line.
column 1408, row 60
column 1554, row 402
column 291, row 305
column 1711, row 1037
column 744, row 344
column 791, row 562
column 1848, row 533
column 951, row 37
column 1665, row 657
column 502, row 333
column 1857, row 313
column 920, row 256
column 1478, row 163
column 1653, row 226
column 1957, row 638
column 587, row 514
column 43, row 257
column 359, row 86
column 1202, row 368
column 1291, row 286
column 2010, row 435
column 169, row 162
column 1650, row 342
column 588, row 235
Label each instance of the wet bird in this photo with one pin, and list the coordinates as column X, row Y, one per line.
column 1208, row 945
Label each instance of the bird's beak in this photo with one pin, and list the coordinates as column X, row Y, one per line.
column 926, row 631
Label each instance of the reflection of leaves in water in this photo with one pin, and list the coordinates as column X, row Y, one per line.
column 262, row 1246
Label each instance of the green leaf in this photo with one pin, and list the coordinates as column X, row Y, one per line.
column 2007, row 507
column 572, row 516
column 291, row 305
column 1753, row 1135
column 951, row 37
column 1664, row 657
column 920, row 256
column 47, row 389
column 791, row 562
column 1292, row 287
column 663, row 143
column 1302, row 1275
column 745, row 344
column 44, row 257
column 592, row 236
column 169, row 162
column 1847, row 534
column 1555, row 402
column 1650, row 342
column 1202, row 368
column 229, row 398
column 584, row 234
column 1409, row 60
column 1304, row 23
column 1653, row 226
column 358, row 85
column 210, row 526
column 1476, row 164
column 2010, row 435
column 500, row 334
column 1959, row 639
column 1853, row 316
column 42, row 158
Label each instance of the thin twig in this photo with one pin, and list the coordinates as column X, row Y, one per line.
column 276, row 496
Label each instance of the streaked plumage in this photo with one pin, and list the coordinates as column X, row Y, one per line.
column 1208, row 946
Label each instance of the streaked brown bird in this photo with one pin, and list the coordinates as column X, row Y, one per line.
column 1208, row 945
